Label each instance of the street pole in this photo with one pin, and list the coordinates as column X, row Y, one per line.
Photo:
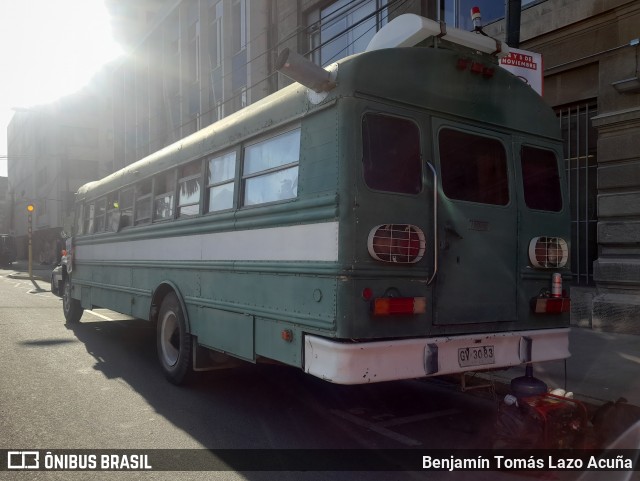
column 513, row 9
column 30, row 209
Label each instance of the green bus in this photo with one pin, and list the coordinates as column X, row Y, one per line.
column 403, row 214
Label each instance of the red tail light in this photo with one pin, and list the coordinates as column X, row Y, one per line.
column 551, row 305
column 398, row 243
column 388, row 306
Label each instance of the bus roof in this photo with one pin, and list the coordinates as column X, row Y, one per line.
column 449, row 82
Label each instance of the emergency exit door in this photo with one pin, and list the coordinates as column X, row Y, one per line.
column 477, row 222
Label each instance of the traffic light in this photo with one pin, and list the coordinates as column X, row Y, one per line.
column 30, row 210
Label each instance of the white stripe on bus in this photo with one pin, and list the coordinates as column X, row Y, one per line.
column 309, row 242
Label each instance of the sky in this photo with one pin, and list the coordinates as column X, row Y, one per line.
column 48, row 49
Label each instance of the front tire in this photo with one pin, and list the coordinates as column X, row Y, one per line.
column 174, row 342
column 71, row 307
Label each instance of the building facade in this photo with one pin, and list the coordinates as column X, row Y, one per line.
column 203, row 60
column 591, row 53
column 52, row 150
column 4, row 205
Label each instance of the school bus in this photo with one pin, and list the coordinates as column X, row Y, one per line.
column 403, row 214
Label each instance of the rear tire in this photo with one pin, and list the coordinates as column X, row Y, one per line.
column 71, row 307
column 174, row 342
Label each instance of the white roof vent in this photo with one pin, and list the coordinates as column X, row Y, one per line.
column 409, row 29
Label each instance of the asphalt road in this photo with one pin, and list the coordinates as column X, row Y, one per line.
column 97, row 385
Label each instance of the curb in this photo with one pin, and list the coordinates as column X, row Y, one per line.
column 24, row 277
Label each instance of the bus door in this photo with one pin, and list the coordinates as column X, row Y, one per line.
column 477, row 226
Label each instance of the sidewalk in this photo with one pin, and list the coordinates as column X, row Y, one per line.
column 41, row 272
column 603, row 367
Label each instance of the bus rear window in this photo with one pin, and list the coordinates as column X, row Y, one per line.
column 391, row 154
column 540, row 179
column 474, row 168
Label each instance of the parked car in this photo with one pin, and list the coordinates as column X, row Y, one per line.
column 57, row 282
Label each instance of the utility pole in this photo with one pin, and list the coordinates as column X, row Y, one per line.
column 513, row 9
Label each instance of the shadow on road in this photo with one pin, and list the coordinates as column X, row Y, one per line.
column 278, row 407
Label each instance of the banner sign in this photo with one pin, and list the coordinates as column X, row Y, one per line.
column 525, row 65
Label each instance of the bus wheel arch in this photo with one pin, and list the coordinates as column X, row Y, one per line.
column 173, row 338
column 164, row 289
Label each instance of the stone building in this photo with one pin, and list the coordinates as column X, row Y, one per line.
column 591, row 52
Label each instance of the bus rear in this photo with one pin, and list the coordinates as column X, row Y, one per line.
column 454, row 221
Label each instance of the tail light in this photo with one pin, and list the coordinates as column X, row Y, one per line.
column 548, row 252
column 389, row 306
column 398, row 243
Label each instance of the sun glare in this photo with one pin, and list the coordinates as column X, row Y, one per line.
column 50, row 49
column 53, row 47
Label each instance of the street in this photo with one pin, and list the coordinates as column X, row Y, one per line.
column 97, row 385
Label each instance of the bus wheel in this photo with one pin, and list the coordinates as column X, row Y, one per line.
column 71, row 307
column 173, row 341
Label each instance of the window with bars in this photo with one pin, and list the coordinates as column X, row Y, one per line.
column 580, row 160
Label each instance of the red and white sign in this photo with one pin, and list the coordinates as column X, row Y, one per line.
column 525, row 65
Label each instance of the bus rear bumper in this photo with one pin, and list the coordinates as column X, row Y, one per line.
column 368, row 362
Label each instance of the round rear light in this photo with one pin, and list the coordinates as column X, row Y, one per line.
column 548, row 252
column 398, row 243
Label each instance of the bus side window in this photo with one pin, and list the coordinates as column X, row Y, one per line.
column 113, row 213
column 270, row 169
column 100, row 214
column 221, row 173
column 79, row 225
column 164, row 187
column 143, row 202
column 391, row 154
column 126, row 208
column 189, row 189
column 88, row 218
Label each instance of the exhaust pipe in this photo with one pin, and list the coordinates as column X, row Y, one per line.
column 298, row 68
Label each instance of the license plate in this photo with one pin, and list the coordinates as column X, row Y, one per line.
column 476, row 356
